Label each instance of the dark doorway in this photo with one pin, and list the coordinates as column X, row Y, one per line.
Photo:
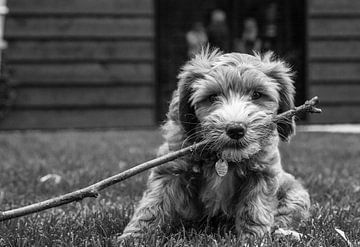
column 277, row 25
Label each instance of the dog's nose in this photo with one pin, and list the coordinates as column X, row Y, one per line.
column 236, row 131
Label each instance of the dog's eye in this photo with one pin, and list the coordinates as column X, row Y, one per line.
column 212, row 98
column 256, row 95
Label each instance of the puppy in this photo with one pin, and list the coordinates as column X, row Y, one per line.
column 228, row 100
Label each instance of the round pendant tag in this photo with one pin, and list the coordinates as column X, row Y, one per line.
column 221, row 167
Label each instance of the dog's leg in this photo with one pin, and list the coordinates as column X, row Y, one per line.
column 294, row 202
column 255, row 209
column 167, row 200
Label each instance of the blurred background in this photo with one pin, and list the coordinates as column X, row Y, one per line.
column 113, row 63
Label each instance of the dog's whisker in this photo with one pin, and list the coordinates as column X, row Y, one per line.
column 189, row 137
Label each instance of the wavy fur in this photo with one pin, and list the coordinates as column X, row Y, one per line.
column 256, row 193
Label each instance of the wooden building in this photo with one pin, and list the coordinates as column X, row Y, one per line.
column 113, row 63
column 80, row 63
column 333, row 66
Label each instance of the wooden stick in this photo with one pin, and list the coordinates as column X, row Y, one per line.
column 93, row 190
column 308, row 106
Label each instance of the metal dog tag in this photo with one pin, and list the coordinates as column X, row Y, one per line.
column 221, row 167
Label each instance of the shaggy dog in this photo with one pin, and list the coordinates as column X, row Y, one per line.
column 228, row 100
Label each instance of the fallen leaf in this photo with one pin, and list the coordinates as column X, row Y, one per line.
column 54, row 177
column 343, row 236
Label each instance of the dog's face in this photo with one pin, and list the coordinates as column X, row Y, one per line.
column 229, row 100
column 234, row 107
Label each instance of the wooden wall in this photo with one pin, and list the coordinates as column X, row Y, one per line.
column 80, row 63
column 334, row 59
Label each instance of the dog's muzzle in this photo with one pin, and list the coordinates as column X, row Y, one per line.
column 236, row 131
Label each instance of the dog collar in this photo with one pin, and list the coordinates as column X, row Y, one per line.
column 221, row 167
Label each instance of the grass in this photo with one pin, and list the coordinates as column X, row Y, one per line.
column 328, row 164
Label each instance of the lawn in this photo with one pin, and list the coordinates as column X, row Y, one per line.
column 328, row 165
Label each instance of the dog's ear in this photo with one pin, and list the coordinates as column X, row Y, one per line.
column 193, row 70
column 187, row 114
column 282, row 73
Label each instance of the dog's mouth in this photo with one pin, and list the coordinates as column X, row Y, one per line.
column 231, row 147
column 238, row 145
column 221, row 142
column 236, row 152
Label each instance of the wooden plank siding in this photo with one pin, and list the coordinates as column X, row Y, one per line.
column 333, row 49
column 337, row 94
column 95, row 7
column 86, row 73
column 321, row 7
column 78, row 118
column 334, row 71
column 325, row 27
column 80, row 64
column 88, row 51
column 104, row 96
column 78, row 27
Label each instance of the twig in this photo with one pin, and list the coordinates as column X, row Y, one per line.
column 308, row 106
column 93, row 190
